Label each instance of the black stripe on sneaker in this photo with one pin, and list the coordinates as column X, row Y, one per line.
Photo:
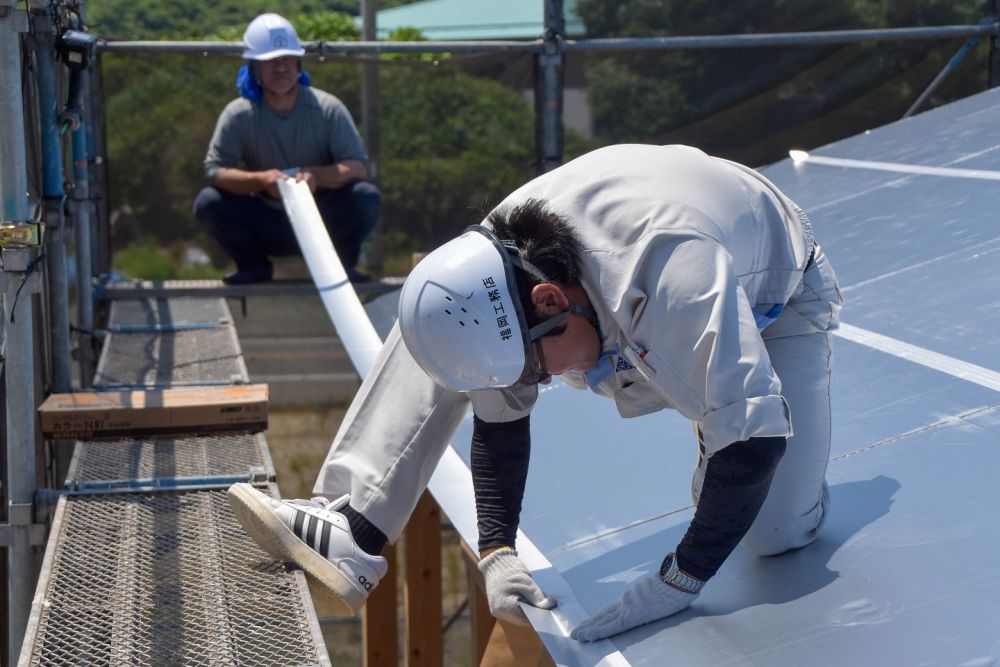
column 299, row 517
column 324, row 542
column 311, row 531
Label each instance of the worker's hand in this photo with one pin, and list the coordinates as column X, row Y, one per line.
column 646, row 600
column 508, row 583
column 269, row 181
column 307, row 176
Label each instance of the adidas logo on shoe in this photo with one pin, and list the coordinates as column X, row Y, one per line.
column 314, row 535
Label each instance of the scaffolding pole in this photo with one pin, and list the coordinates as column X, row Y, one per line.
column 952, row 65
column 19, row 280
column 13, row 170
column 549, row 89
column 370, row 112
column 84, row 242
column 43, row 48
column 763, row 40
column 760, row 40
column 99, row 171
column 994, row 74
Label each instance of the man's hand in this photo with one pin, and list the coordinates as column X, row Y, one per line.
column 508, row 583
column 307, row 176
column 647, row 600
column 334, row 176
column 268, row 181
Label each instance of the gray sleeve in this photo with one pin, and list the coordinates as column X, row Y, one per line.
column 345, row 141
column 226, row 148
column 695, row 328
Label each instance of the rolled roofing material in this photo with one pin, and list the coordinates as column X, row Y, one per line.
column 339, row 298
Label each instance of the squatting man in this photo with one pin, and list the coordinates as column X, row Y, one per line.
column 282, row 127
column 657, row 276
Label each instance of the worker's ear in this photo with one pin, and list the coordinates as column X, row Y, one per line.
column 549, row 299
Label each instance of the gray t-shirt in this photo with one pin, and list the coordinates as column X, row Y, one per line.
column 318, row 131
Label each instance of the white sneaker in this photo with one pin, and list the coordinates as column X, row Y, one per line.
column 314, row 535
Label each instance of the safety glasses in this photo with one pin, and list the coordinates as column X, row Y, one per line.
column 535, row 371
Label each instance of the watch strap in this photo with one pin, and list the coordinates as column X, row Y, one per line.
column 672, row 575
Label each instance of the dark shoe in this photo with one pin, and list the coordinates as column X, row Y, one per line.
column 356, row 276
column 257, row 274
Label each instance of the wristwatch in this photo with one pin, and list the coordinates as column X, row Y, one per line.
column 672, row 575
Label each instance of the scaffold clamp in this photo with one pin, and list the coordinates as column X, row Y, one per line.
column 259, row 475
column 20, row 515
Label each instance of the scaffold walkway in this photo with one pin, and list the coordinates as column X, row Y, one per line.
column 145, row 564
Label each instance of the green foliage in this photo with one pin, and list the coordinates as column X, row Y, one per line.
column 330, row 26
column 150, row 260
column 185, row 19
column 144, row 261
column 406, row 34
column 453, row 144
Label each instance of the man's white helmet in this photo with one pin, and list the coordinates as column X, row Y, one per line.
column 270, row 36
column 460, row 315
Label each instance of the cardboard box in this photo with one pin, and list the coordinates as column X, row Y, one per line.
column 154, row 412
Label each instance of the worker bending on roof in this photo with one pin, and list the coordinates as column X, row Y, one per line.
column 278, row 128
column 659, row 277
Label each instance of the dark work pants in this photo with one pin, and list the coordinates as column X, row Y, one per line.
column 251, row 231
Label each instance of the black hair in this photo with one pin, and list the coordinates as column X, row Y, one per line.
column 543, row 238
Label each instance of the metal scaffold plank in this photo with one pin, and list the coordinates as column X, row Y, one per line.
column 127, row 315
column 131, row 289
column 163, row 462
column 145, row 563
column 165, row 579
column 171, row 358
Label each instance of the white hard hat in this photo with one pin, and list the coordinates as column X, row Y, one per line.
column 461, row 317
column 270, row 36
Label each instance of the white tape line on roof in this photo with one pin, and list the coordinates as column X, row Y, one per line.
column 964, row 253
column 939, row 362
column 800, row 157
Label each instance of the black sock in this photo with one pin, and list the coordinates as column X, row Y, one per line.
column 366, row 534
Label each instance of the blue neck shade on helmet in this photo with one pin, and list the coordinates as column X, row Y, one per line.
column 249, row 87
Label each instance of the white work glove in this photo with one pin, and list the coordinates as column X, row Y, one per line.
column 647, row 600
column 508, row 583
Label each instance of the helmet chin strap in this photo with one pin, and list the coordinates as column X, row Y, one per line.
column 542, row 328
column 587, row 313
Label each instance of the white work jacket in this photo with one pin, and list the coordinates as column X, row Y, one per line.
column 679, row 250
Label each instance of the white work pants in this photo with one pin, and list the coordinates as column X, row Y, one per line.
column 391, row 439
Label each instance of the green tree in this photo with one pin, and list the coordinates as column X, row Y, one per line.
column 752, row 104
column 453, row 146
column 185, row 19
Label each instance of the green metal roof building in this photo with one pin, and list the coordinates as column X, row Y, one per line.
column 475, row 19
